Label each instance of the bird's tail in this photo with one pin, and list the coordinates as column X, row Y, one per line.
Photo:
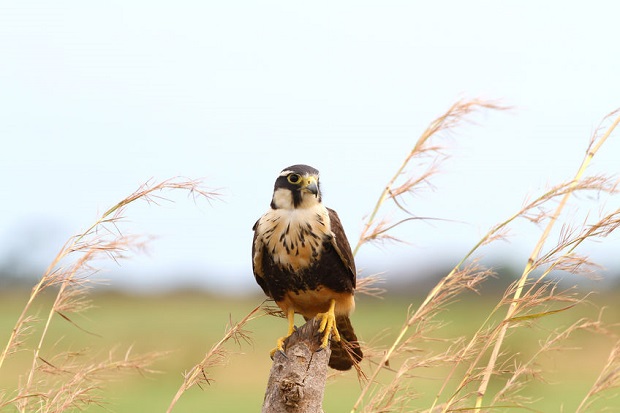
column 346, row 352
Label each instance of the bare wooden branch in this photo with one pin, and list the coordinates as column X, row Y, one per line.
column 297, row 379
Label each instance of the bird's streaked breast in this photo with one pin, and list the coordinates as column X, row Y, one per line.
column 294, row 238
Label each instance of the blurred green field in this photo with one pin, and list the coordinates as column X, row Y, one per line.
column 187, row 324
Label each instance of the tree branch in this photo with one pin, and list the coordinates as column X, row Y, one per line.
column 297, row 379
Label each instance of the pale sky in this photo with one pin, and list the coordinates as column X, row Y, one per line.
column 97, row 98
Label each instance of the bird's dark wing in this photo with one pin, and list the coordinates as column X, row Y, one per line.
column 257, row 260
column 341, row 244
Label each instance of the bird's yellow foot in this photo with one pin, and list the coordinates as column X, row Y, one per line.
column 291, row 328
column 280, row 345
column 328, row 325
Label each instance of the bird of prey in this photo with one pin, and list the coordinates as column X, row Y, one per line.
column 303, row 261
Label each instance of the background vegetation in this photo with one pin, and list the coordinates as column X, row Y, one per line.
column 183, row 326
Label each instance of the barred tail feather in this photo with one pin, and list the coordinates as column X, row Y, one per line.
column 347, row 352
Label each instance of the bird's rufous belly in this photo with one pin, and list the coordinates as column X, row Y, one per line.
column 311, row 302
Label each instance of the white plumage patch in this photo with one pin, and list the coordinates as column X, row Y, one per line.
column 283, row 198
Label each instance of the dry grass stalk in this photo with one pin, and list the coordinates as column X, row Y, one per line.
column 217, row 355
column 73, row 383
column 595, row 144
column 540, row 299
column 69, row 273
column 417, row 328
column 608, row 379
column 536, row 296
column 368, row 286
column 376, row 229
column 527, row 371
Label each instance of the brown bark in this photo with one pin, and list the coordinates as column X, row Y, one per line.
column 297, row 380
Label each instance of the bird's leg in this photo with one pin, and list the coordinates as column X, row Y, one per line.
column 290, row 315
column 328, row 325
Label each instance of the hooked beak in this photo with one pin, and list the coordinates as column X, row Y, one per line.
column 310, row 184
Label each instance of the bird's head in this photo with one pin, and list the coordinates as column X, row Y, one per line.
column 296, row 187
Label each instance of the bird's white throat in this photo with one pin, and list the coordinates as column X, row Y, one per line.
column 283, row 199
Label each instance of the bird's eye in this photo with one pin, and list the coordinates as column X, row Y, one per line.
column 294, row 178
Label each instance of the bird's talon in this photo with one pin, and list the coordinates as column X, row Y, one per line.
column 273, row 352
column 328, row 325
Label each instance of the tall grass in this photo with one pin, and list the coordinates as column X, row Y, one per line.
column 474, row 361
column 475, row 371
column 69, row 379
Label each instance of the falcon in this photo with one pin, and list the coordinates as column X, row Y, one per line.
column 302, row 260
